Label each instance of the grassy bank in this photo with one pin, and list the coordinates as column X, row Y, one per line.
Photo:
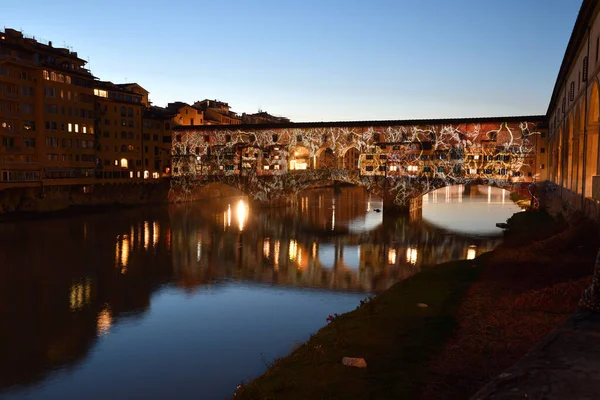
column 391, row 332
column 482, row 316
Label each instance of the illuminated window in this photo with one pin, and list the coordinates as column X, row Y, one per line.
column 266, row 167
column 146, row 174
column 46, row 75
column 83, row 129
column 123, row 163
column 76, row 128
column 70, row 127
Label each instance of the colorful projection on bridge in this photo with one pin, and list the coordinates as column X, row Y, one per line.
column 398, row 163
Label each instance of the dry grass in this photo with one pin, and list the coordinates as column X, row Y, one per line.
column 522, row 295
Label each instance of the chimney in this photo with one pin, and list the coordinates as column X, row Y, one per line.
column 50, row 43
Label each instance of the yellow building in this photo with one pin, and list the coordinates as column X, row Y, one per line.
column 157, row 134
column 217, row 113
column 184, row 114
column 119, row 131
column 46, row 114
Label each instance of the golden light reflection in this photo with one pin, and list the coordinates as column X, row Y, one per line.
column 104, row 321
column 122, row 250
column 392, row 256
column 155, row 233
column 125, row 252
column 267, row 247
column 472, row 252
column 146, row 235
column 293, row 250
column 314, row 250
column 333, row 215
column 411, row 255
column 80, row 294
column 242, row 214
column 276, row 254
column 229, row 215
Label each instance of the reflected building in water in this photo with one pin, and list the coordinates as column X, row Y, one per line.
column 90, row 272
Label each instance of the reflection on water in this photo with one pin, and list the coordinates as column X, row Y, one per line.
column 194, row 296
column 468, row 210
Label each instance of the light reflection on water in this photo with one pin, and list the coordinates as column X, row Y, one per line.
column 188, row 297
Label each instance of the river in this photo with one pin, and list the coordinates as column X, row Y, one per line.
column 187, row 301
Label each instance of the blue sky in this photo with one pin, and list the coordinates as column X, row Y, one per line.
column 320, row 60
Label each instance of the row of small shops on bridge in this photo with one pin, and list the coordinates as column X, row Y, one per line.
column 485, row 159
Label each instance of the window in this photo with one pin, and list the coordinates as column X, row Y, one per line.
column 228, row 138
column 298, row 138
column 206, row 138
column 275, row 138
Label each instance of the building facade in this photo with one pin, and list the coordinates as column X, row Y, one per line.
column 217, row 113
column 119, row 114
column 46, row 114
column 574, row 112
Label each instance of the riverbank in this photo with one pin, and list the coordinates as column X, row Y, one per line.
column 481, row 317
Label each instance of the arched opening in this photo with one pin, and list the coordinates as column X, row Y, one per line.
column 591, row 147
column 299, row 158
column 576, row 182
column 326, row 159
column 124, row 163
column 350, row 159
column 569, row 154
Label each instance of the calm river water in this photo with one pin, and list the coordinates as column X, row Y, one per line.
column 187, row 301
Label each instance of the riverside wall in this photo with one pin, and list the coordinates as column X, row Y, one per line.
column 56, row 198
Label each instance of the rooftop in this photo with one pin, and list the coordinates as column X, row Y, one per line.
column 343, row 124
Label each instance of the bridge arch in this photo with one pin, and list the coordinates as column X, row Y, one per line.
column 577, row 148
column 349, row 157
column 325, row 158
column 299, row 158
column 569, row 153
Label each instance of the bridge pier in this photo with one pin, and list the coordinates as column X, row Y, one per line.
column 413, row 208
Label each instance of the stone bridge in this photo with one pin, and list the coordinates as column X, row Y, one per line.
column 399, row 193
column 397, row 160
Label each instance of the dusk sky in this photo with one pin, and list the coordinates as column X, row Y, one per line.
column 320, row 60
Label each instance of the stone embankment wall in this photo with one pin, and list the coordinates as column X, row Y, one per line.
column 560, row 201
column 61, row 197
column 54, row 198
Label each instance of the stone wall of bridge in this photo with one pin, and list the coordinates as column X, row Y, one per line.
column 398, row 160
